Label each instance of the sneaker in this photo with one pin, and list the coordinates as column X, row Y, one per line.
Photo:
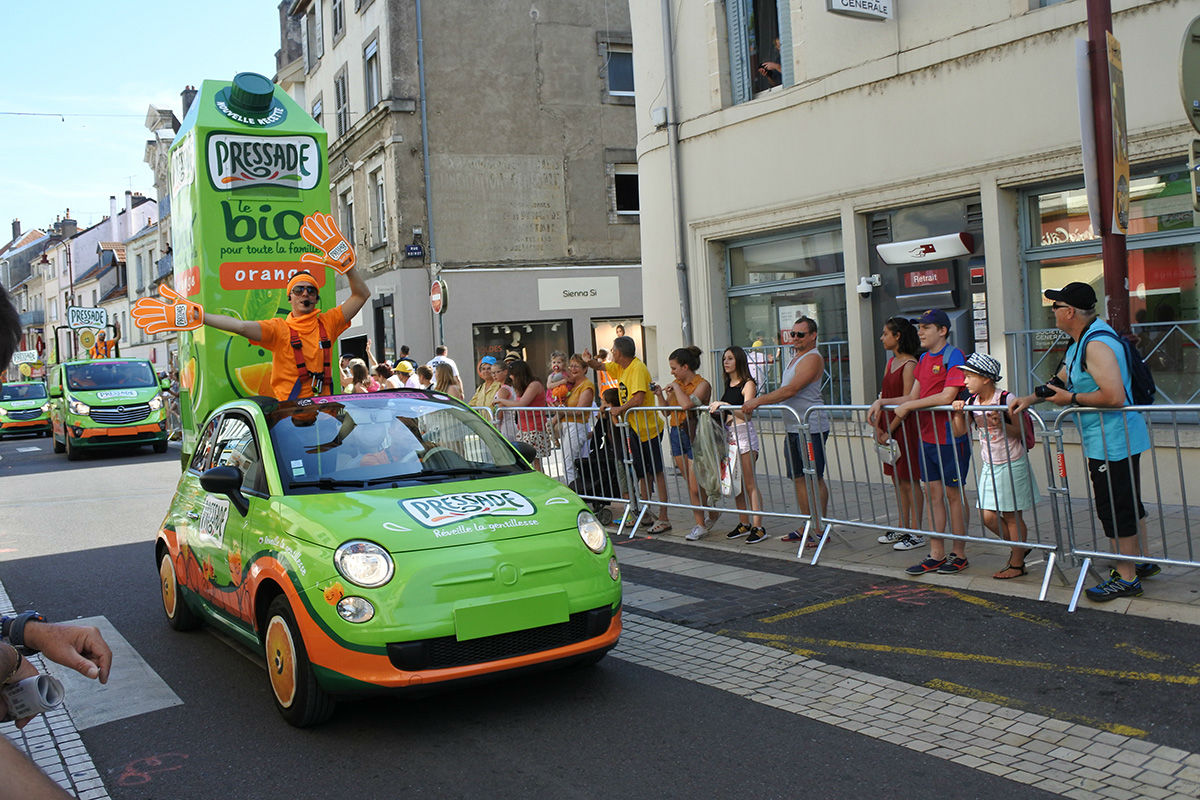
column 1143, row 570
column 697, row 532
column 741, row 530
column 928, row 565
column 953, row 564
column 907, row 542
column 891, row 537
column 757, row 534
column 1113, row 588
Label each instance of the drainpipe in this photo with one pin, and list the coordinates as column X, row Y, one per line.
column 425, row 163
column 681, row 273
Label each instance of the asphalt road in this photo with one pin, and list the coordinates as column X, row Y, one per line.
column 75, row 540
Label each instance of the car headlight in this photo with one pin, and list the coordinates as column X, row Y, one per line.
column 82, row 409
column 3, row 413
column 592, row 532
column 156, row 403
column 364, row 564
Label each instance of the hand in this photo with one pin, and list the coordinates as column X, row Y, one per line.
column 881, row 436
column 715, row 406
column 1061, row 397
column 751, row 404
column 27, row 670
column 873, row 411
column 179, row 314
column 322, row 232
column 78, row 647
column 901, row 411
column 958, row 405
column 1016, row 405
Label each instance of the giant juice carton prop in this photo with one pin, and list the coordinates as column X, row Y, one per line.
column 247, row 167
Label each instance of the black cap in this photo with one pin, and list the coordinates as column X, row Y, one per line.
column 1076, row 294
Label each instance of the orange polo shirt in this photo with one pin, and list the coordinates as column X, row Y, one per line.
column 277, row 337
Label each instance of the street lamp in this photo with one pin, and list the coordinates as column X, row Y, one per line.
column 65, row 240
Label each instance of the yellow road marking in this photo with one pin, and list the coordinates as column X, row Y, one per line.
column 1012, row 702
column 979, row 601
column 822, row 606
column 979, row 658
column 1153, row 656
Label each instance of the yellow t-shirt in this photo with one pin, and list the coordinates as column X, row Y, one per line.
column 573, row 398
column 631, row 380
column 484, row 395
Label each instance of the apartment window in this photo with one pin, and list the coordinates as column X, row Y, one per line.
column 760, row 46
column 379, row 228
column 341, row 102
column 337, row 13
column 317, row 108
column 625, row 190
column 93, row 298
column 371, row 72
column 314, row 40
column 139, row 271
column 620, row 70
column 52, row 307
column 346, row 212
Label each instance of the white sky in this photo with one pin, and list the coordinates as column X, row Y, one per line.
column 81, row 60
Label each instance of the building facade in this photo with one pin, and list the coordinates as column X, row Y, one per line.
column 850, row 167
column 493, row 152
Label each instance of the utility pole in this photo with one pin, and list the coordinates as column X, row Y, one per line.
column 1112, row 242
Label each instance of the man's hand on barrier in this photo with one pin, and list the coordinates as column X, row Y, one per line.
column 322, row 232
column 77, row 647
column 25, row 669
column 178, row 314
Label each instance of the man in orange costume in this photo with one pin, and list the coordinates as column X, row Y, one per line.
column 303, row 339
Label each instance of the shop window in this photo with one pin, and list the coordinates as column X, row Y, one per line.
column 785, row 258
column 760, row 46
column 531, row 341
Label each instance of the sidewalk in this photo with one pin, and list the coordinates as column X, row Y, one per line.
column 1172, row 595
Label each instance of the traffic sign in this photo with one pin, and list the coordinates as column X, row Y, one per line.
column 437, row 296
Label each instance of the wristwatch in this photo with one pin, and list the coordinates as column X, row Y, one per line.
column 1073, row 400
column 13, row 629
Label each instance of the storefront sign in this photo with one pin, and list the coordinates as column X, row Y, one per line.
column 24, row 357
column 933, row 248
column 866, row 9
column 583, row 292
column 79, row 317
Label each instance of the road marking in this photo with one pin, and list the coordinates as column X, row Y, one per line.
column 133, row 687
column 815, row 607
column 1056, row 755
column 782, row 641
column 1012, row 702
column 650, row 599
column 988, row 604
column 1153, row 656
column 29, row 449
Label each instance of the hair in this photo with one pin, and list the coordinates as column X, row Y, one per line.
column 358, row 370
column 1086, row 314
column 602, row 354
column 577, row 358
column 812, row 323
column 521, row 375
column 440, row 350
column 383, row 370
column 906, row 332
column 10, row 329
column 443, row 377
column 403, row 349
column 686, row 357
column 611, row 396
column 625, row 346
column 425, row 373
column 741, row 364
column 557, row 354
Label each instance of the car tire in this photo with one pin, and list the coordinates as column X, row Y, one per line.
column 73, row 451
column 300, row 701
column 179, row 614
column 160, row 447
column 58, row 446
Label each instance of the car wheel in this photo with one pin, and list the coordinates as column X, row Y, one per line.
column 160, row 447
column 179, row 614
column 58, row 446
column 293, row 684
column 73, row 451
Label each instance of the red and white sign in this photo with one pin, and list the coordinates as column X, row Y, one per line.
column 934, row 248
column 437, row 296
column 927, row 279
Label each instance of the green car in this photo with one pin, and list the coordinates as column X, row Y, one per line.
column 380, row 542
column 24, row 408
column 106, row 401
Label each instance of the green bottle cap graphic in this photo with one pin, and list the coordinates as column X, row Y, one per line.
column 250, row 100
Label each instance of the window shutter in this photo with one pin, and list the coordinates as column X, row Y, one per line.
column 308, row 54
column 785, row 41
column 320, row 27
column 736, row 16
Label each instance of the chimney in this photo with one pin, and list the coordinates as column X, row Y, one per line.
column 112, row 218
column 68, row 227
column 16, row 229
column 129, row 211
column 188, row 94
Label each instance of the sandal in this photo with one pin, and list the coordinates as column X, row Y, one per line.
column 1010, row 567
column 662, row 526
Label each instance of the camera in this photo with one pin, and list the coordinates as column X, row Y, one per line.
column 1043, row 392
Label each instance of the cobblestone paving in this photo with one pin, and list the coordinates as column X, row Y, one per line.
column 53, row 743
column 1054, row 755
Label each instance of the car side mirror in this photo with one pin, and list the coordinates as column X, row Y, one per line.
column 55, row 391
column 527, row 451
column 226, row 480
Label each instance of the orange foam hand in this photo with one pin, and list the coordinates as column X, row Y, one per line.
column 177, row 314
column 322, row 232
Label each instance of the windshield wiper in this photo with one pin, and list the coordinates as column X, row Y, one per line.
column 327, row 483
column 458, row 471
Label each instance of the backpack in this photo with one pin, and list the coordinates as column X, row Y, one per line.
column 1030, row 435
column 1141, row 381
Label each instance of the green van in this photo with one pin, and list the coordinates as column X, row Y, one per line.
column 106, row 401
column 24, row 408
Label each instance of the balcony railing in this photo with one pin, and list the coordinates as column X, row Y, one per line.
column 32, row 318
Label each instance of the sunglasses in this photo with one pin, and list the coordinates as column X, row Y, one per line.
column 1057, row 306
column 299, row 290
column 799, row 334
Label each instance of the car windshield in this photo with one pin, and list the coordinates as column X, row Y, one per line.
column 110, row 375
column 22, row 391
column 403, row 438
